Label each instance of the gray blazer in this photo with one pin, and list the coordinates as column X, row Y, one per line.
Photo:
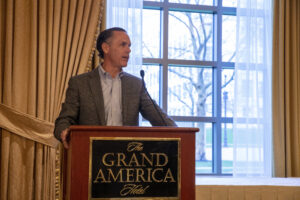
column 84, row 103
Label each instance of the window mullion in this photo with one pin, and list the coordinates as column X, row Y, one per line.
column 165, row 28
column 217, row 155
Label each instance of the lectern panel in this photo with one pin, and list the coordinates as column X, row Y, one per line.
column 137, row 161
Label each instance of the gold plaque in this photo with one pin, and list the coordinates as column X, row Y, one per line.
column 134, row 168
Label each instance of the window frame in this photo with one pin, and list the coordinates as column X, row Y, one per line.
column 217, row 66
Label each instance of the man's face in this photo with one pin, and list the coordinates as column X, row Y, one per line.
column 117, row 49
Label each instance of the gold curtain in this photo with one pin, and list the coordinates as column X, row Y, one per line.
column 286, row 88
column 42, row 44
column 96, row 60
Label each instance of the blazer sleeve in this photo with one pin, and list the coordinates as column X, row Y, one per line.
column 70, row 109
column 152, row 112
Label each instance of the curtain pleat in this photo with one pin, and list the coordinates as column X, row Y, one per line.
column 286, row 88
column 42, row 44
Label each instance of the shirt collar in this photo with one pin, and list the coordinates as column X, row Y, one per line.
column 105, row 73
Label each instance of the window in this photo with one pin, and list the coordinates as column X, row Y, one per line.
column 188, row 57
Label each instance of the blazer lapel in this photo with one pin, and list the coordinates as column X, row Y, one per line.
column 124, row 95
column 96, row 89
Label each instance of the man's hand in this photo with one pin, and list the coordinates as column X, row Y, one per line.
column 65, row 137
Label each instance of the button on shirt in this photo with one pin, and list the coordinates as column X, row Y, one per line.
column 112, row 96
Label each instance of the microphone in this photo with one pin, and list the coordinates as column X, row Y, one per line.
column 142, row 73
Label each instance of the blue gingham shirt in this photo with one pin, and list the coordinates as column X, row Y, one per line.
column 112, row 96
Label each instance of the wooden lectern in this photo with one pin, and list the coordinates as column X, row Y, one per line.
column 77, row 161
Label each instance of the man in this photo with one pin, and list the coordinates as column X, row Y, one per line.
column 107, row 95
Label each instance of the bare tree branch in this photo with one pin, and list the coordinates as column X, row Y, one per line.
column 179, row 19
column 181, row 51
column 179, row 98
column 207, row 85
column 148, row 50
column 183, row 76
column 190, row 92
column 192, row 28
column 204, row 34
column 227, row 82
column 232, row 56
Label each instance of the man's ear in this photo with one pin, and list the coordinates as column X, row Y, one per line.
column 105, row 47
